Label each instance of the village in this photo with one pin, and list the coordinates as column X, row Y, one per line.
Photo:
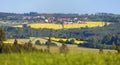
column 43, row 18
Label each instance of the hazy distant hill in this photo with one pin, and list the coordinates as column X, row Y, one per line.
column 107, row 17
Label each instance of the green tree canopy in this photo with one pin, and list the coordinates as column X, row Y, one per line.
column 2, row 36
column 37, row 42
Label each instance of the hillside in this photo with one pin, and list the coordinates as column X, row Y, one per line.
column 73, row 48
column 88, row 24
column 37, row 58
column 38, row 17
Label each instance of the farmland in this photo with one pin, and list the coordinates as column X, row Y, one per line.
column 66, row 26
column 22, row 41
column 65, row 39
column 55, row 49
column 64, row 34
column 43, row 41
column 76, row 56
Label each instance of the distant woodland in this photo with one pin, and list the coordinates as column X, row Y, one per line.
column 106, row 17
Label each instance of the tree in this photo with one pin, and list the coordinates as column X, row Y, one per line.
column 107, row 39
column 61, row 41
column 93, row 41
column 64, row 48
column 67, row 41
column 72, row 41
column 2, row 36
column 48, row 44
column 101, row 51
column 29, row 43
column 15, row 42
column 116, row 47
column 37, row 42
column 62, row 23
column 24, row 25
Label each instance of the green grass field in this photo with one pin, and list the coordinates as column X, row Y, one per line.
column 37, row 58
column 76, row 56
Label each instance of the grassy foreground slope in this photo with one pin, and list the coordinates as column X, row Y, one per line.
column 37, row 58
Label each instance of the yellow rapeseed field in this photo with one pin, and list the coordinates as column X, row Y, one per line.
column 20, row 41
column 66, row 26
column 64, row 39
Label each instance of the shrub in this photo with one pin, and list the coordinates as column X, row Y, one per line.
column 53, row 44
column 37, row 42
column 117, row 47
column 61, row 41
column 101, row 51
column 15, row 42
column 64, row 48
column 18, row 48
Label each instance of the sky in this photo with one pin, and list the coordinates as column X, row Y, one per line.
column 60, row 6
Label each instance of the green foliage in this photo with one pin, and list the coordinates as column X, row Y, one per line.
column 101, row 51
column 18, row 48
column 94, row 36
column 114, row 45
column 48, row 44
column 24, row 26
column 37, row 58
column 61, row 41
column 107, row 39
column 67, row 41
column 2, row 36
column 53, row 44
column 108, row 17
column 37, row 42
column 15, row 42
column 117, row 47
column 72, row 41
column 83, row 33
column 64, row 49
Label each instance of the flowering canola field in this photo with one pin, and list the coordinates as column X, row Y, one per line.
column 64, row 39
column 66, row 26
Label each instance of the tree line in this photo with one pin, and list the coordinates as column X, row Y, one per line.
column 107, row 17
column 97, row 36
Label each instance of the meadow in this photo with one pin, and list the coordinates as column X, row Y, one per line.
column 76, row 56
column 37, row 58
column 66, row 26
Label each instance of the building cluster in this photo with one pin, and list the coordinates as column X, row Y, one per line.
column 52, row 19
column 44, row 19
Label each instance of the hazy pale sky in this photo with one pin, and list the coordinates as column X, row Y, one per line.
column 60, row 6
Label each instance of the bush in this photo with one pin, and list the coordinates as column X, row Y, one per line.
column 61, row 41
column 72, row 41
column 17, row 48
column 116, row 47
column 53, row 44
column 37, row 42
column 101, row 51
column 64, row 48
column 98, row 46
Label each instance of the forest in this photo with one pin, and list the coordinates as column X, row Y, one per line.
column 94, row 37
